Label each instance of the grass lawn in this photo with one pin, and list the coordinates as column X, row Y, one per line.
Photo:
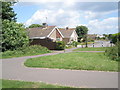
column 75, row 60
column 24, row 84
column 83, row 43
column 26, row 51
column 92, row 49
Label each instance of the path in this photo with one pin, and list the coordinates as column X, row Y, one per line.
column 14, row 69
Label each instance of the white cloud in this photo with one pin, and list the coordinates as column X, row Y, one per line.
column 72, row 14
column 55, row 17
column 65, row 0
column 109, row 25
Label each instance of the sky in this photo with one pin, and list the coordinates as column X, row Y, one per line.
column 99, row 17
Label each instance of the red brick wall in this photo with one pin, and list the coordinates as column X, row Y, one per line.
column 58, row 35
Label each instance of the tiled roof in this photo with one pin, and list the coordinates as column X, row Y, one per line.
column 66, row 32
column 39, row 31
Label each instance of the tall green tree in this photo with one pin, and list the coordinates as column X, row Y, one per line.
column 35, row 25
column 8, row 12
column 81, row 31
column 14, row 35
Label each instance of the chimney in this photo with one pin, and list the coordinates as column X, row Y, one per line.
column 44, row 25
column 66, row 28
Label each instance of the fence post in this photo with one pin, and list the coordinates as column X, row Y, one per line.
column 93, row 44
column 102, row 44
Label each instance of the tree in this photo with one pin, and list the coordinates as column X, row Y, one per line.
column 81, row 31
column 13, row 35
column 7, row 11
column 35, row 25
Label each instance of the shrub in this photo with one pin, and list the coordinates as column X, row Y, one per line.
column 114, row 52
column 24, row 51
column 92, row 40
column 60, row 45
column 13, row 35
column 74, row 43
column 115, row 38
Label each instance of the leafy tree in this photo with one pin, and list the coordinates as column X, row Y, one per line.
column 13, row 35
column 7, row 11
column 35, row 25
column 81, row 31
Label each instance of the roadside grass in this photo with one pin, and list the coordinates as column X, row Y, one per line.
column 25, row 84
column 0, row 84
column 25, row 51
column 92, row 49
column 75, row 60
column 83, row 43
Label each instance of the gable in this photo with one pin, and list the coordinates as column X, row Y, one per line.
column 74, row 34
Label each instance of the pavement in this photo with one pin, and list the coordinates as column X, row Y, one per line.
column 14, row 69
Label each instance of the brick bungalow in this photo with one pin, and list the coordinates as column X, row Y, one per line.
column 69, row 35
column 48, row 35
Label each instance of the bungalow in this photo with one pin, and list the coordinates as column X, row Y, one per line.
column 69, row 35
column 48, row 35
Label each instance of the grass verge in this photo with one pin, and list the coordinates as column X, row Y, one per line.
column 24, row 84
column 83, row 43
column 25, row 51
column 92, row 49
column 76, row 61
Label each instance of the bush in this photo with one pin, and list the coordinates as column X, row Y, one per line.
column 92, row 40
column 60, row 45
column 74, row 43
column 114, row 52
column 115, row 38
column 13, row 35
column 25, row 51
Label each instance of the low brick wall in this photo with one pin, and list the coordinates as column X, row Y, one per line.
column 44, row 42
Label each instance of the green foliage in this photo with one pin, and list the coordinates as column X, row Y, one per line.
column 25, row 51
column 35, row 25
column 74, row 43
column 113, row 52
column 13, row 35
column 60, row 45
column 81, row 31
column 7, row 11
column 115, row 37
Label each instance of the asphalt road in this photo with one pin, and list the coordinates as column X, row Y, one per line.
column 14, row 69
column 99, row 43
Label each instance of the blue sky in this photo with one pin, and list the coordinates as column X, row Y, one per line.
column 99, row 17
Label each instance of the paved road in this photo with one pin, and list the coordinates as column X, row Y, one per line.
column 14, row 69
column 99, row 44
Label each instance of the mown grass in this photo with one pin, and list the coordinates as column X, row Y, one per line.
column 83, row 43
column 24, row 84
column 76, row 61
column 25, row 51
column 92, row 49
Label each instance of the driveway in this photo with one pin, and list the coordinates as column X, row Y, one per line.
column 14, row 69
